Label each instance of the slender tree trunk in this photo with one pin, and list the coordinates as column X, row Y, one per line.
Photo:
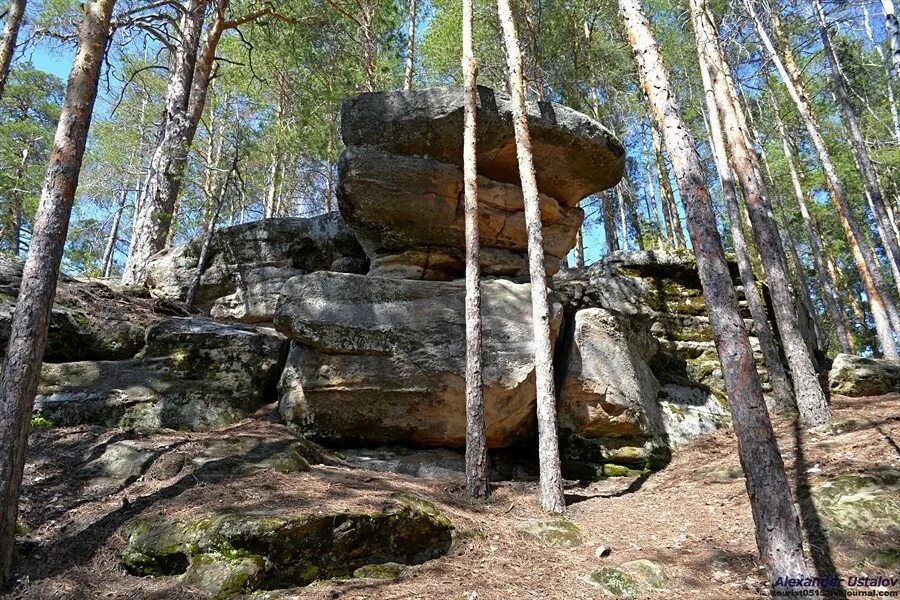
column 673, row 220
column 476, row 444
column 28, row 330
column 892, row 101
column 659, row 214
column 884, row 312
column 209, row 233
column 552, row 499
column 859, row 147
column 892, row 27
column 778, row 534
column 620, row 201
column 781, row 387
column 369, row 50
column 160, row 189
column 14, row 16
column 14, row 227
column 110, row 249
column 609, row 222
column 808, row 392
column 410, row 46
column 579, row 248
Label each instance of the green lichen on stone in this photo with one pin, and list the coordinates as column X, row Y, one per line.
column 613, row 470
column 558, row 532
column 390, row 570
column 647, row 572
column 614, row 582
column 294, row 551
column 223, row 576
column 861, row 502
column 39, row 422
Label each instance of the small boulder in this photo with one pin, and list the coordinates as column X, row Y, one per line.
column 558, row 532
column 858, row 376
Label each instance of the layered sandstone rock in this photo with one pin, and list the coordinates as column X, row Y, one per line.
column 400, row 180
column 380, row 360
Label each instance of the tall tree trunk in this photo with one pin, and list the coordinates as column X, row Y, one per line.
column 657, row 211
column 892, row 100
column 670, row 209
column 781, row 387
column 210, row 231
column 579, row 248
column 778, row 535
column 410, row 47
column 160, row 189
column 609, row 221
column 110, row 249
column 552, row 499
column 623, row 221
column 884, row 312
column 476, row 444
column 28, row 330
column 14, row 227
column 14, row 15
column 859, row 147
column 370, row 71
column 808, row 393
column 892, row 27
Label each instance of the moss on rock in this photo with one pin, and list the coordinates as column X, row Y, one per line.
column 558, row 532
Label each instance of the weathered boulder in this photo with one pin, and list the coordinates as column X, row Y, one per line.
column 89, row 320
column 271, row 551
column 608, row 397
column 400, row 180
column 248, row 264
column 192, row 374
column 380, row 360
column 858, row 376
column 574, row 155
column 407, row 212
column 689, row 412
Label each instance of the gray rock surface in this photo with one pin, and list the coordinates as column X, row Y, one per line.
column 858, row 376
column 249, row 263
column 574, row 155
column 400, row 180
column 378, row 360
column 192, row 374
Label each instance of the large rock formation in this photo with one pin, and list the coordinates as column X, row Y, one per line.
column 859, row 376
column 400, row 180
column 378, row 360
column 248, row 264
column 192, row 374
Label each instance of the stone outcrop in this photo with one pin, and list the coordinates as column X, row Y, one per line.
column 192, row 374
column 240, row 552
column 858, row 376
column 248, row 264
column 379, row 360
column 89, row 320
column 400, row 180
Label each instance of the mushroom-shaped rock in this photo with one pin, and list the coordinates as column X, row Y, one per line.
column 401, row 185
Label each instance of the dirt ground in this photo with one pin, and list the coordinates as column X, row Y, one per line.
column 693, row 517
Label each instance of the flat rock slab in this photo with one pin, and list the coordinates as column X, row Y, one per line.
column 574, row 155
column 239, row 552
column 382, row 361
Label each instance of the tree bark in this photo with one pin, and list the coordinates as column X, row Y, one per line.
column 670, row 209
column 778, row 535
column 609, row 222
column 892, row 100
column 209, row 233
column 623, row 221
column 552, row 499
column 14, row 15
column 859, row 148
column 13, row 230
column 579, row 248
column 110, row 249
column 160, row 190
column 892, row 27
column 781, row 387
column 410, row 47
column 884, row 312
column 476, row 444
column 808, row 393
column 28, row 330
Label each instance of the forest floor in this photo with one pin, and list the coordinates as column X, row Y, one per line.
column 693, row 517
